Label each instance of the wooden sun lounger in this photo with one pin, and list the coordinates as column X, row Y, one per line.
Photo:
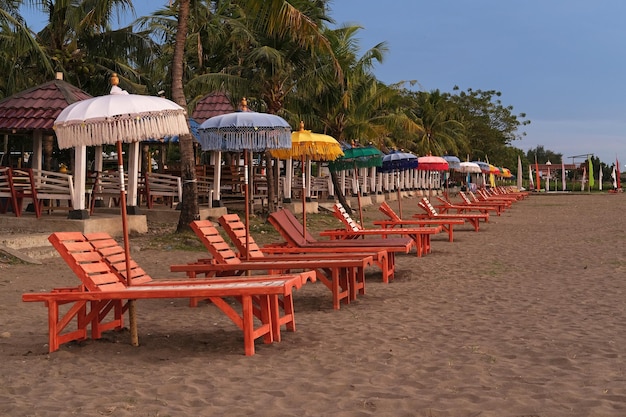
column 236, row 231
column 432, row 213
column 343, row 277
column 298, row 242
column 101, row 299
column 396, row 221
column 420, row 235
column 446, row 207
column 498, row 208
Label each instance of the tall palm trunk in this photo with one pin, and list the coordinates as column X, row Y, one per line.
column 189, row 208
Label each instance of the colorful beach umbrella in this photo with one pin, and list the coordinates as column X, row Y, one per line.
column 245, row 131
column 309, row 146
column 397, row 161
column 355, row 157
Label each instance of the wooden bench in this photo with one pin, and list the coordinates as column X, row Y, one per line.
column 205, row 189
column 55, row 190
column 167, row 187
column 101, row 299
column 7, row 195
column 23, row 183
column 106, row 189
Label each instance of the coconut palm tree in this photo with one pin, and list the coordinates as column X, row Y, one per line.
column 443, row 132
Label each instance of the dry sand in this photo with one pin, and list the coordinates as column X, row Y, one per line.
column 524, row 318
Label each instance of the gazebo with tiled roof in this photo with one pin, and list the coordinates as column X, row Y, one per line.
column 33, row 111
column 212, row 104
column 38, row 107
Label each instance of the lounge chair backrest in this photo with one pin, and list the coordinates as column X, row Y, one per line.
column 290, row 228
column 115, row 256
column 464, row 198
column 86, row 262
column 388, row 211
column 214, row 242
column 341, row 213
column 473, row 196
column 236, row 231
column 425, row 204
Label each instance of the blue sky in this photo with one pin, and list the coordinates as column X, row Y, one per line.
column 562, row 62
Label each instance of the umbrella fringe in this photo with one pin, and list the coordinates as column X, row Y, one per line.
column 125, row 128
column 238, row 138
column 313, row 151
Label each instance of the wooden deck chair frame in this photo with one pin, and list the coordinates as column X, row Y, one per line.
column 289, row 227
column 395, row 221
column 344, row 277
column 101, row 299
column 431, row 212
column 419, row 235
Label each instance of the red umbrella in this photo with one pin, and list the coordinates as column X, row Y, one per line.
column 431, row 163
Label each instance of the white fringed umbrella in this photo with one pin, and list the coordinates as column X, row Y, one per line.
column 113, row 119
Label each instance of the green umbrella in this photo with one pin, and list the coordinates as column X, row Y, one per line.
column 354, row 158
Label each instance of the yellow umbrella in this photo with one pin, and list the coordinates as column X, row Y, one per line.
column 307, row 145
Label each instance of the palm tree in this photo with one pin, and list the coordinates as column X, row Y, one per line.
column 443, row 132
column 189, row 210
column 276, row 41
column 359, row 107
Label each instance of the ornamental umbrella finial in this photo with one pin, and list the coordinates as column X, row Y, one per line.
column 301, row 125
column 114, row 79
column 244, row 104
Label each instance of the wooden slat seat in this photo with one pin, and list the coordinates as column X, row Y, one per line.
column 420, row 235
column 432, row 213
column 102, row 297
column 395, row 221
column 343, row 277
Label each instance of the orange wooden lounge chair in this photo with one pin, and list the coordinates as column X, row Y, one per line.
column 343, row 277
column 301, row 241
column 101, row 299
column 446, row 206
column 395, row 221
column 484, row 198
column 503, row 204
column 420, row 235
column 432, row 213
column 466, row 201
column 236, row 231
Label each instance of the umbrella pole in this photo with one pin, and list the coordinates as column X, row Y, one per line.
column 246, row 198
column 399, row 194
column 132, row 312
column 358, row 194
column 303, row 196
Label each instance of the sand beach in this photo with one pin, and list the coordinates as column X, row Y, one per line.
column 526, row 317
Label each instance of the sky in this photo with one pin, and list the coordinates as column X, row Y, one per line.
column 561, row 62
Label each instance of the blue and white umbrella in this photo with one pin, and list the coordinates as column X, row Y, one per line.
column 246, row 131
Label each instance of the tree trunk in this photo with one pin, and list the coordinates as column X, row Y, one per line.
column 339, row 193
column 189, row 208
